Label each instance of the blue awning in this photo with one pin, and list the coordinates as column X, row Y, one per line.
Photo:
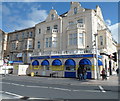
column 35, row 63
column 56, row 62
column 85, row 62
column 70, row 62
column 45, row 63
column 100, row 63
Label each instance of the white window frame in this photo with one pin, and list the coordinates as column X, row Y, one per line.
column 81, row 36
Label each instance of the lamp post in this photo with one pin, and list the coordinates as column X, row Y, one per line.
column 96, row 51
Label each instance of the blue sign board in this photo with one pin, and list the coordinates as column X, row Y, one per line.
column 17, row 61
column 63, row 56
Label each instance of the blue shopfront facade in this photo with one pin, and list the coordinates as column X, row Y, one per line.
column 70, row 63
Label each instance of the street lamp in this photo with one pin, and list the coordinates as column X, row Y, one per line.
column 96, row 51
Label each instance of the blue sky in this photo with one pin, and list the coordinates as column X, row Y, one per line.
column 18, row 15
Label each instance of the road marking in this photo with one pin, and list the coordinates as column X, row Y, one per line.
column 101, row 88
column 38, row 86
column 1, row 91
column 86, row 91
column 37, row 98
column 13, row 94
column 5, row 82
column 62, row 89
column 15, row 84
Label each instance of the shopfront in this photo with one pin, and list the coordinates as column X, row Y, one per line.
column 65, row 65
column 70, row 68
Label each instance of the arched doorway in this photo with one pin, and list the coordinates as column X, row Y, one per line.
column 45, row 64
column 70, row 68
column 35, row 66
column 57, row 65
column 86, row 63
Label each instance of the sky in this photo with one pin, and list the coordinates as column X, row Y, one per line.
column 20, row 15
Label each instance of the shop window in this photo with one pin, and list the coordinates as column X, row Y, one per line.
column 70, row 68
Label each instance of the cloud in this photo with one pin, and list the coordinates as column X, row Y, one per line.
column 37, row 15
column 23, row 18
column 114, row 31
column 108, row 22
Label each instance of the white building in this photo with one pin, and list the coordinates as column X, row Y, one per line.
column 65, row 42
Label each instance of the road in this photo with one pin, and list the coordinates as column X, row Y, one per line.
column 23, row 87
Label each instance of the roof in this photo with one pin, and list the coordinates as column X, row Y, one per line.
column 64, row 14
column 21, row 30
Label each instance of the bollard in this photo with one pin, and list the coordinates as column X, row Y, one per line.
column 32, row 74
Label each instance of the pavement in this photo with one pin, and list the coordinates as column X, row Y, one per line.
column 111, row 81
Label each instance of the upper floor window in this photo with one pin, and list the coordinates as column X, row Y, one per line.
column 39, row 44
column 81, row 39
column 73, row 39
column 30, row 44
column 101, row 40
column 55, row 26
column 52, row 17
column 30, row 34
column 27, row 34
column 71, row 22
column 13, row 45
column 80, row 21
column 48, row 28
column 22, row 35
column 16, row 36
column 50, row 41
column 75, row 10
column 46, row 42
column 54, row 41
column 39, row 31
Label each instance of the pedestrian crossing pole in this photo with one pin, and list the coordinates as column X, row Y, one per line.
column 96, row 51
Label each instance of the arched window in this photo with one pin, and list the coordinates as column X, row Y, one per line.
column 52, row 16
column 70, row 64
column 56, row 62
column 35, row 63
column 75, row 10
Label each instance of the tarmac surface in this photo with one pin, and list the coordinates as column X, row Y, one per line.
column 19, row 86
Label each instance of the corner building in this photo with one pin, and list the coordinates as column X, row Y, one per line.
column 78, row 38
